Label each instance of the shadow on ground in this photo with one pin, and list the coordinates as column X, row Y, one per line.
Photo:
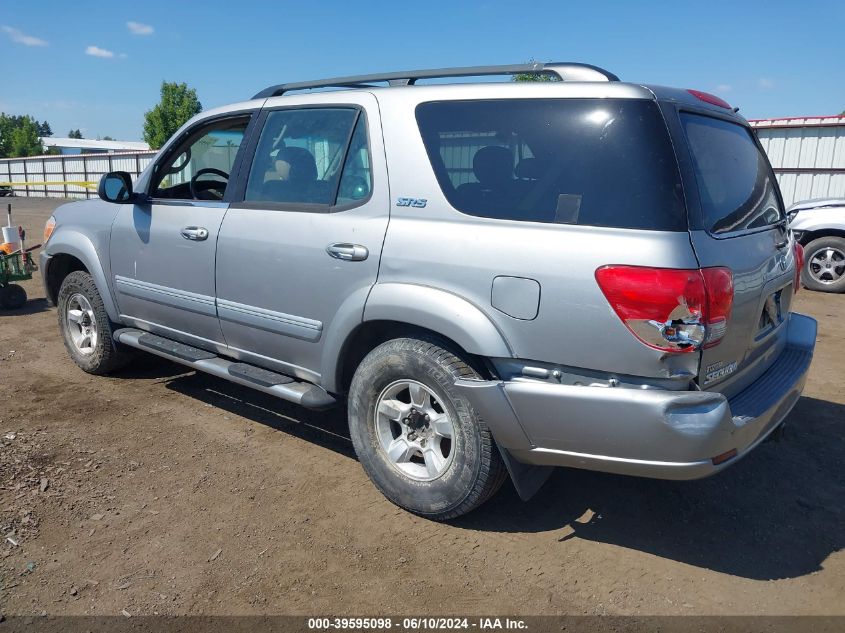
column 778, row 513
column 326, row 428
column 32, row 306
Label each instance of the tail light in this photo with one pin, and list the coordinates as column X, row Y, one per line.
column 669, row 309
column 799, row 266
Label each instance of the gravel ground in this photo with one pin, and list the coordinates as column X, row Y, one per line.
column 163, row 491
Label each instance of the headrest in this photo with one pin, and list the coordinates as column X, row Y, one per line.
column 303, row 167
column 493, row 165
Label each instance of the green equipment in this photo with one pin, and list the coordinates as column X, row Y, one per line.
column 17, row 265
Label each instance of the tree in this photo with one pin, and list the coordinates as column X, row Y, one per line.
column 74, row 134
column 5, row 133
column 25, row 140
column 178, row 104
column 107, row 138
column 21, row 141
column 535, row 76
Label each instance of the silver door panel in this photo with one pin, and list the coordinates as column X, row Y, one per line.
column 159, row 276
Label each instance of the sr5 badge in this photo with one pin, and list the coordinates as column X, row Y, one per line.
column 411, row 202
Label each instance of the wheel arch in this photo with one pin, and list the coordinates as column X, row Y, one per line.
column 60, row 266
column 370, row 334
column 392, row 310
column 809, row 236
column 70, row 251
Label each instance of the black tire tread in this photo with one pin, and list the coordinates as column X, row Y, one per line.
column 108, row 357
column 493, row 471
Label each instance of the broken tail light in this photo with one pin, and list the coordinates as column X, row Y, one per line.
column 674, row 310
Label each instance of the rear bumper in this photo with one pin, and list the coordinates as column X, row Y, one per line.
column 644, row 432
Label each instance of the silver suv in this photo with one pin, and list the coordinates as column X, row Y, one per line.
column 495, row 278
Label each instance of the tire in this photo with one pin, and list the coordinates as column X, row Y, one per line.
column 86, row 328
column 12, row 297
column 437, row 476
column 824, row 264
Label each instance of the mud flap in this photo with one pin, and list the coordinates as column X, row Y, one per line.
column 526, row 478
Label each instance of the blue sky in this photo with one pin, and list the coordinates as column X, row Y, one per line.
column 98, row 66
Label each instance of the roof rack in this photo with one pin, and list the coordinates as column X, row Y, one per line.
column 565, row 71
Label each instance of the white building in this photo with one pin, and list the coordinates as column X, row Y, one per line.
column 807, row 154
column 91, row 146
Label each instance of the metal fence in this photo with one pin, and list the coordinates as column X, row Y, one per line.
column 807, row 154
column 68, row 176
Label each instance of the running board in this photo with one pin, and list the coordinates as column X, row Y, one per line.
column 279, row 385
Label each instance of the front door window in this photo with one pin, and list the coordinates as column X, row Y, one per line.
column 199, row 168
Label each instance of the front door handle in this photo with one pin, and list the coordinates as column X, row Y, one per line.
column 195, row 233
column 348, row 252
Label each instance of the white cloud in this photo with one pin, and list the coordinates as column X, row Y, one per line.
column 96, row 51
column 723, row 88
column 765, row 84
column 138, row 28
column 22, row 38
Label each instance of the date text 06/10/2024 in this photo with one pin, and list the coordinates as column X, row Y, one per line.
column 417, row 624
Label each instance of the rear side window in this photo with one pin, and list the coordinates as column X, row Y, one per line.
column 735, row 182
column 599, row 162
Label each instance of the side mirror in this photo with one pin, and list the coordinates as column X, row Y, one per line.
column 116, row 186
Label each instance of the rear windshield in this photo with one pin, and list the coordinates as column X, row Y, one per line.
column 599, row 162
column 735, row 183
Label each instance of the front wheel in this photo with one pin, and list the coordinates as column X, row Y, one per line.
column 417, row 437
column 85, row 326
column 824, row 264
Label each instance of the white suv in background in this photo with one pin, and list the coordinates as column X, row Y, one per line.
column 820, row 227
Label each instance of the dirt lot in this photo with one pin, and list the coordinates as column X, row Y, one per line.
column 163, row 491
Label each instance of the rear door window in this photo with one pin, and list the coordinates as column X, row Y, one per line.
column 356, row 180
column 599, row 162
column 735, row 182
column 302, row 153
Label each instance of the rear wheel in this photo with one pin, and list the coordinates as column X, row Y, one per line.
column 85, row 326
column 417, row 437
column 824, row 264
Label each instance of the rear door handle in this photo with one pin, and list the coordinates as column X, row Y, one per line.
column 348, row 252
column 195, row 233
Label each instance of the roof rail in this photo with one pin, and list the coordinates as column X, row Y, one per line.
column 565, row 71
